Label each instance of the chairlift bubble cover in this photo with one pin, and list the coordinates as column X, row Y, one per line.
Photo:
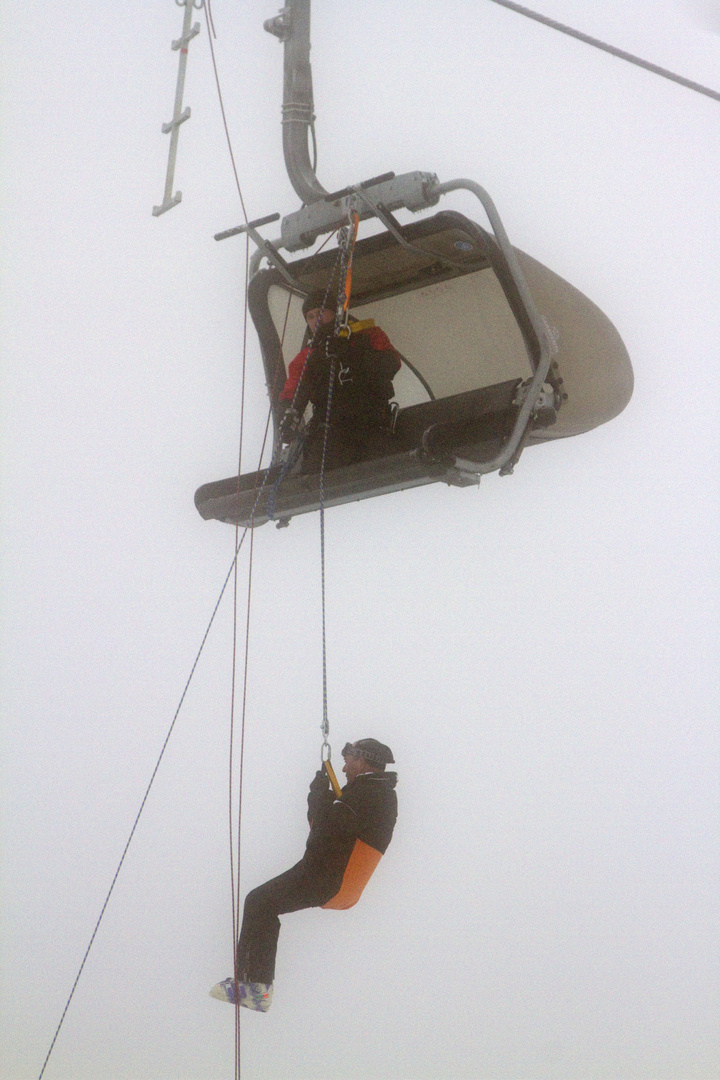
column 466, row 344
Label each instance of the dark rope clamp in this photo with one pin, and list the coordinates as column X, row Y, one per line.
column 280, row 26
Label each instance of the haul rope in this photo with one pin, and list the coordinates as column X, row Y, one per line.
column 612, row 49
column 346, row 241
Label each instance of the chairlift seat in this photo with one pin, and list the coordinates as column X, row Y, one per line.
column 451, row 309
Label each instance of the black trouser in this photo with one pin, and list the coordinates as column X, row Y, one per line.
column 291, row 891
column 348, row 441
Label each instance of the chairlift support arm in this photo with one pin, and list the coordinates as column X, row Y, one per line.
column 546, row 345
column 292, row 27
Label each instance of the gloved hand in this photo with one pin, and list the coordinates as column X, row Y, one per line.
column 322, row 333
column 289, row 425
column 339, row 347
column 320, row 782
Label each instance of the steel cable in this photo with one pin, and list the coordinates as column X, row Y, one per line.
column 612, row 49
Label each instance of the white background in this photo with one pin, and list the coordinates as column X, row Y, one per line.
column 540, row 653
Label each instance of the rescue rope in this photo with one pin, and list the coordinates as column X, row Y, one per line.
column 346, row 242
column 230, row 572
column 147, row 792
column 235, row 878
column 287, row 464
column 211, row 35
column 236, row 899
column 235, row 905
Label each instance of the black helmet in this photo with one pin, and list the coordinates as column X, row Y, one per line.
column 317, row 299
column 370, row 749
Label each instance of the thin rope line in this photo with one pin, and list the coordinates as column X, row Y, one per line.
column 145, row 797
column 235, row 911
column 345, row 263
column 211, row 34
column 325, row 720
column 236, row 896
column 235, row 879
column 235, row 576
column 612, row 49
column 236, row 901
column 159, row 760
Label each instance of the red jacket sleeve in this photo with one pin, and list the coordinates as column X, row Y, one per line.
column 379, row 340
column 295, row 370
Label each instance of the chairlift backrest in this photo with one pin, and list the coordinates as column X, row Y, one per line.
column 458, row 327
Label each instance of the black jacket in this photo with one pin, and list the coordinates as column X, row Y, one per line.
column 365, row 811
column 363, row 377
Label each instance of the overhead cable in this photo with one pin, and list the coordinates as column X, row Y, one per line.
column 680, row 79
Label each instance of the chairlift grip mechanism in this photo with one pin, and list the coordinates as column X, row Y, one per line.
column 411, row 191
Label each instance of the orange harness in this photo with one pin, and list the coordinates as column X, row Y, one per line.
column 361, row 864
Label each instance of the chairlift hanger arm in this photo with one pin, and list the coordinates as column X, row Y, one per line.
column 292, row 27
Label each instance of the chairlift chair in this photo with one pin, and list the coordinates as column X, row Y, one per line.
column 452, row 309
column 499, row 353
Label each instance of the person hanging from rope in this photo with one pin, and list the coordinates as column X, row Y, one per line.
column 365, row 365
column 347, row 837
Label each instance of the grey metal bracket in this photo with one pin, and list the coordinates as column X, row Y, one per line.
column 186, row 37
column 393, row 226
column 184, row 115
column 265, row 247
column 535, row 392
column 280, row 26
column 411, row 191
column 179, row 115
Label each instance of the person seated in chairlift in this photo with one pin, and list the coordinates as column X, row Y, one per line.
column 365, row 365
column 347, row 837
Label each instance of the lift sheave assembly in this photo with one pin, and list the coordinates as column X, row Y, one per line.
column 499, row 353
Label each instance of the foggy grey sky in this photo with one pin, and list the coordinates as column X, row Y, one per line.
column 540, row 653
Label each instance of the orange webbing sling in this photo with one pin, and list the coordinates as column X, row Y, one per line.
column 363, row 860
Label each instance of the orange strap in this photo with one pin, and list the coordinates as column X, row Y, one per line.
column 359, row 870
column 333, row 778
column 344, row 332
